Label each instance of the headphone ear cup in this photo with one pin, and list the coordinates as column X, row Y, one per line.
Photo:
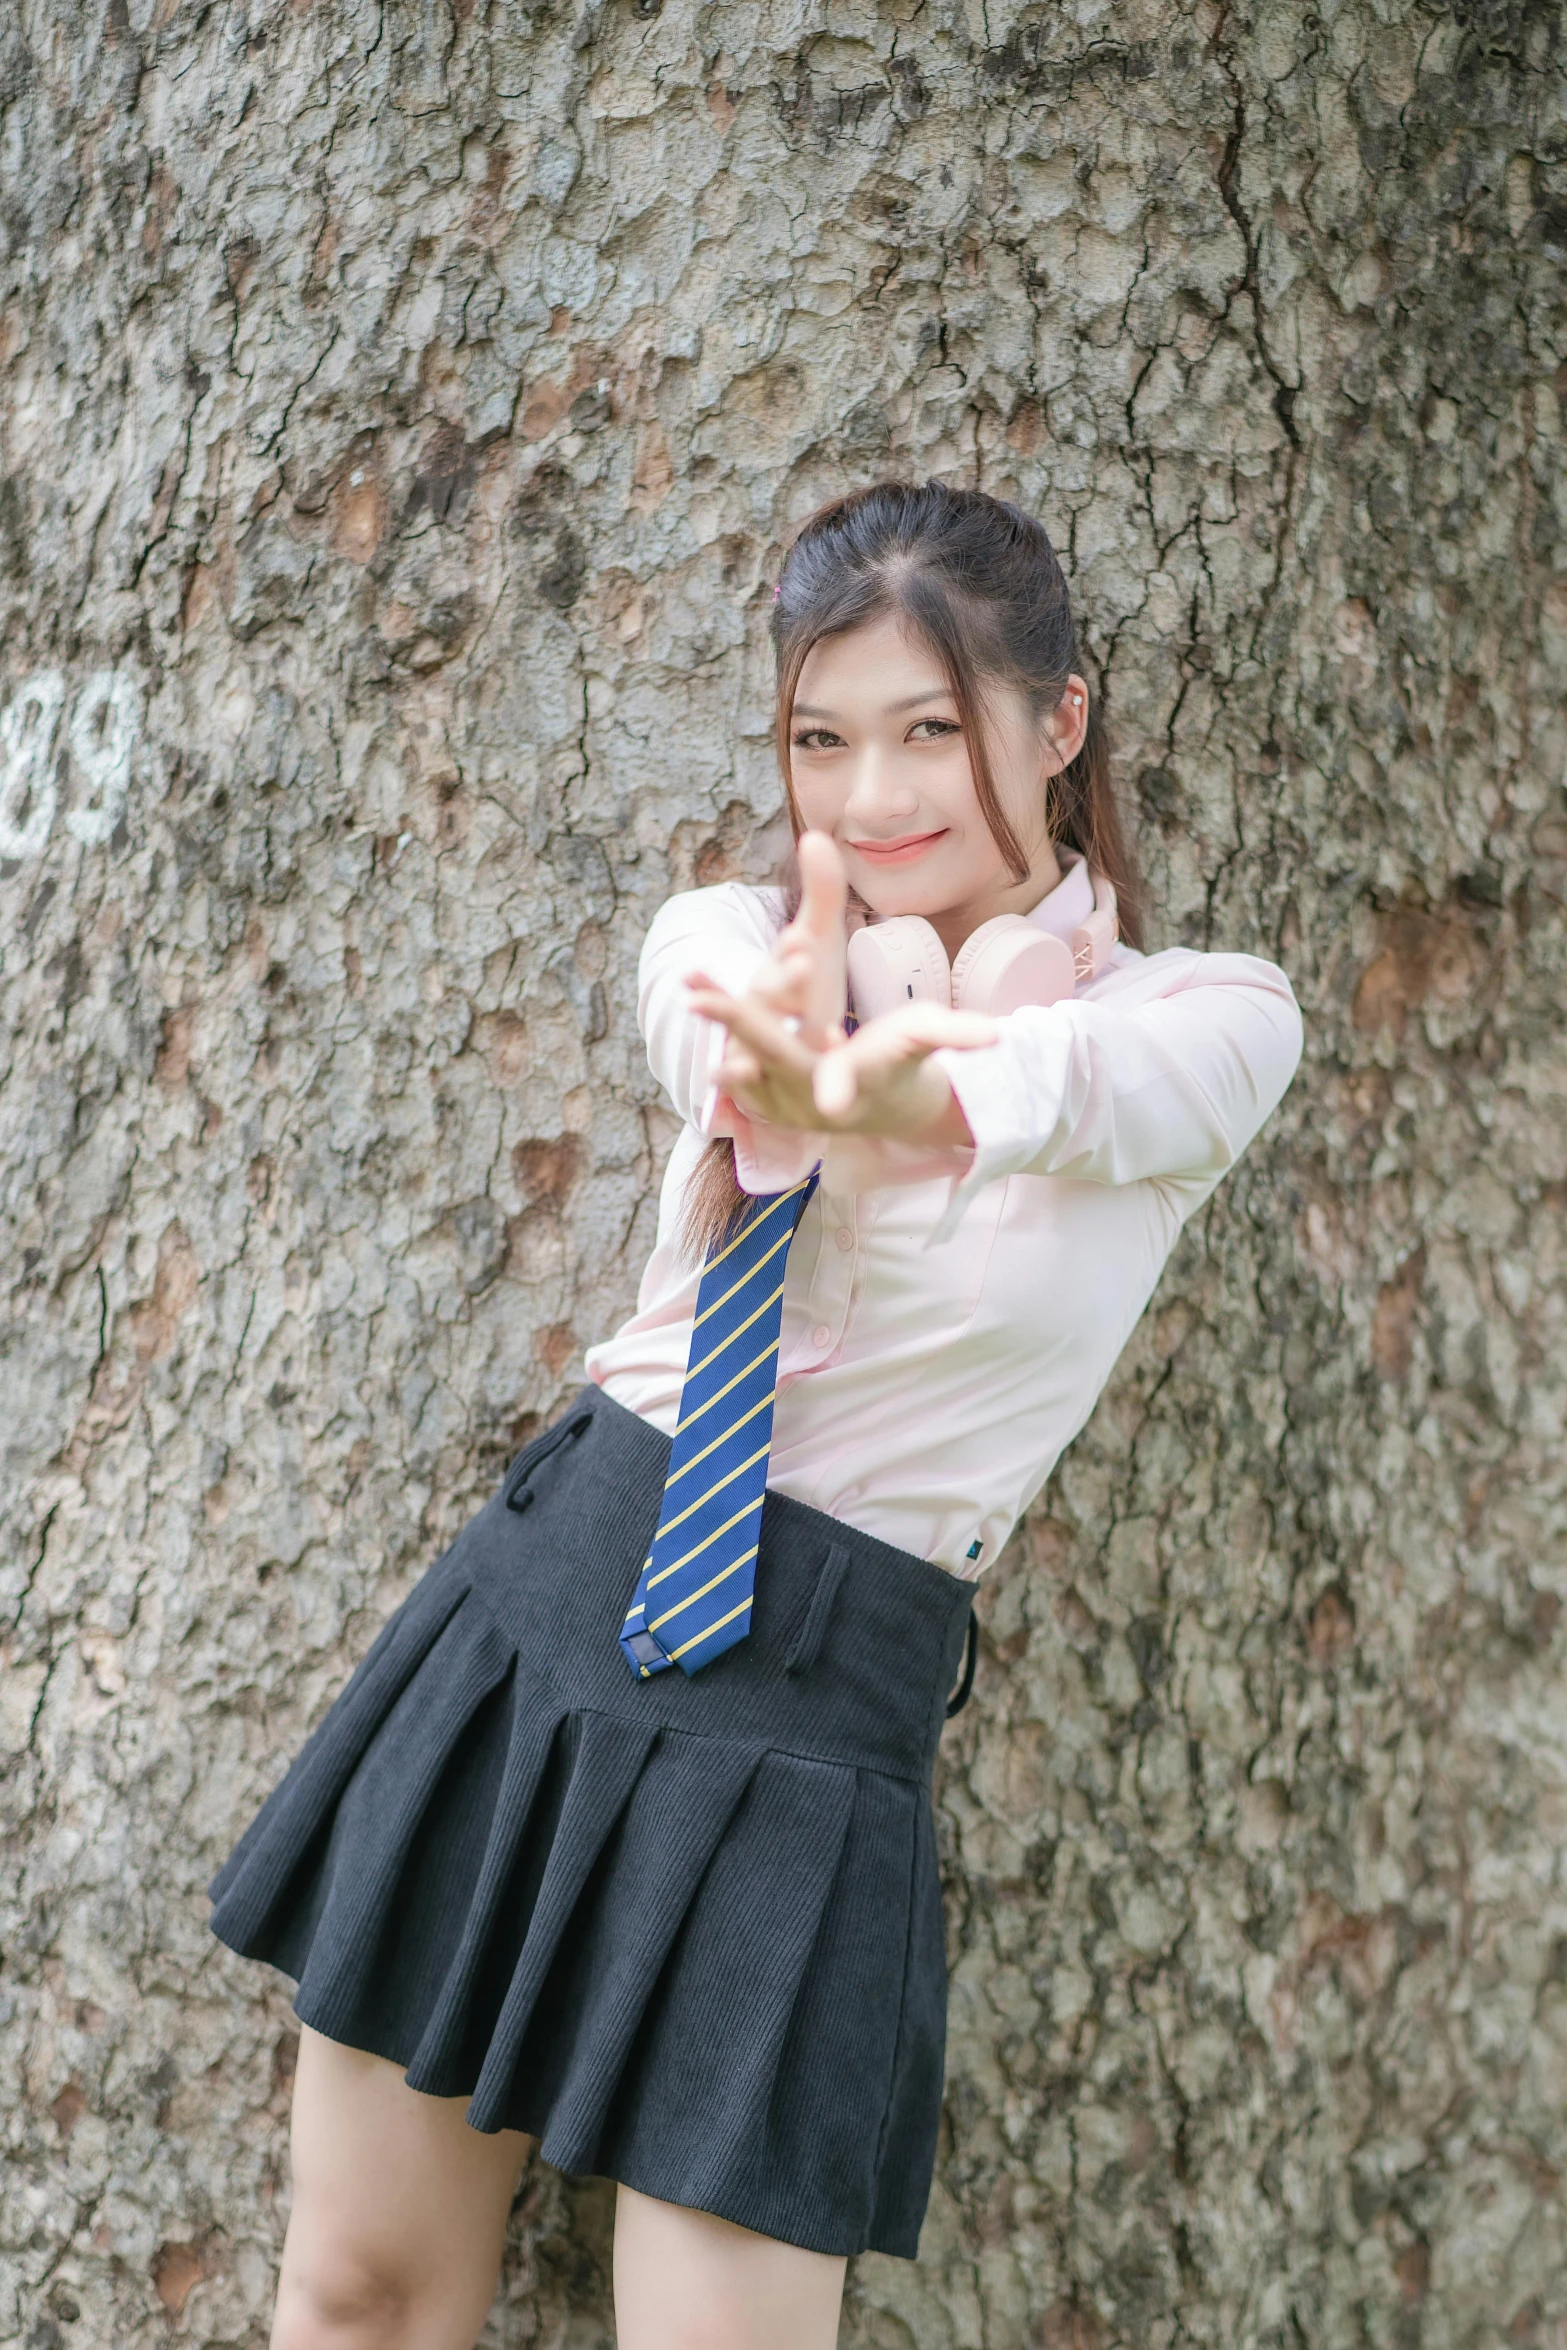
column 899, row 961
column 1008, row 962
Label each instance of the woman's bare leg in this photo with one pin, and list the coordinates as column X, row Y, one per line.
column 394, row 2241
column 687, row 2281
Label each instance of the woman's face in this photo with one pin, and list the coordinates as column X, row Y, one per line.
column 879, row 759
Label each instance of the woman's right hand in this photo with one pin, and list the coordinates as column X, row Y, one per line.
column 796, row 1000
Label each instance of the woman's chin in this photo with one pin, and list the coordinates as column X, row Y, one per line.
column 892, row 893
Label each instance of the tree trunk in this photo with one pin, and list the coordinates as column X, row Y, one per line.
column 405, row 404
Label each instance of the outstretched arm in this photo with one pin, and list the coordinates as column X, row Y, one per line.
column 1168, row 1074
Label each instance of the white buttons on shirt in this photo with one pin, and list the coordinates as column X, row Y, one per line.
column 845, row 1237
column 821, row 1335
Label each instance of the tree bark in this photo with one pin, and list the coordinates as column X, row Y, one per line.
column 405, row 404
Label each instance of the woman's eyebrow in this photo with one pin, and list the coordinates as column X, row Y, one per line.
column 931, row 693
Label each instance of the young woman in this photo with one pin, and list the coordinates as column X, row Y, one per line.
column 619, row 1839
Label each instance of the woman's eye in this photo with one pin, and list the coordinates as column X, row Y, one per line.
column 815, row 738
column 937, row 726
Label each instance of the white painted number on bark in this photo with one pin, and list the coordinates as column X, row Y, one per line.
column 98, row 739
column 29, row 788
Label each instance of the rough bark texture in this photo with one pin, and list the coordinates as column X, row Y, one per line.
column 404, row 406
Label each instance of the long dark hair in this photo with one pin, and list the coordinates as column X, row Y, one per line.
column 978, row 580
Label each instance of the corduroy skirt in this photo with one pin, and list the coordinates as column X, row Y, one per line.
column 686, row 1933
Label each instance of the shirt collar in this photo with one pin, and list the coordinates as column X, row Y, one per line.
column 1064, row 908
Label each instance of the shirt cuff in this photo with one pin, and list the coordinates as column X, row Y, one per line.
column 985, row 1084
column 767, row 1158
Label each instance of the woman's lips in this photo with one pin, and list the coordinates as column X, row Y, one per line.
column 897, row 852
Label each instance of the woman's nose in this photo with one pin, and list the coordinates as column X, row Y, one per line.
column 876, row 790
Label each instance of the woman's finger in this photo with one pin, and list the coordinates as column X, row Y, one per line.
column 929, row 1026
column 764, row 1031
column 910, row 1034
column 785, row 978
column 824, row 885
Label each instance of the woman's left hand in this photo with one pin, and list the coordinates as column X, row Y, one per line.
column 883, row 1081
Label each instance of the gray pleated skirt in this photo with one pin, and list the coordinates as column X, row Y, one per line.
column 687, row 1933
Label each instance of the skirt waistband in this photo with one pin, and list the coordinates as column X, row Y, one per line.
column 854, row 1643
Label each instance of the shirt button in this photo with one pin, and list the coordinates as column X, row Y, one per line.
column 821, row 1335
column 845, row 1237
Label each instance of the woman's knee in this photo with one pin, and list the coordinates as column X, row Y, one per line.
column 399, row 2209
column 337, row 2296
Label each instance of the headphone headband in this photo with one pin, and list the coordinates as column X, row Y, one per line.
column 1007, row 962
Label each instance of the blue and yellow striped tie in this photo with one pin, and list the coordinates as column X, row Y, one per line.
column 693, row 1597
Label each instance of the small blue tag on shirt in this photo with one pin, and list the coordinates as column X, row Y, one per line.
column 974, row 1549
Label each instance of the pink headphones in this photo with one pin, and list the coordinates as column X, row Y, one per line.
column 1006, row 962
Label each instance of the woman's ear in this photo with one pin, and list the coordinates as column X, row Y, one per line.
column 1067, row 724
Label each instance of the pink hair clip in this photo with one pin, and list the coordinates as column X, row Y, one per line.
column 778, row 591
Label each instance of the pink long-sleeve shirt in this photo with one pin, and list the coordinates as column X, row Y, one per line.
column 950, row 1316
